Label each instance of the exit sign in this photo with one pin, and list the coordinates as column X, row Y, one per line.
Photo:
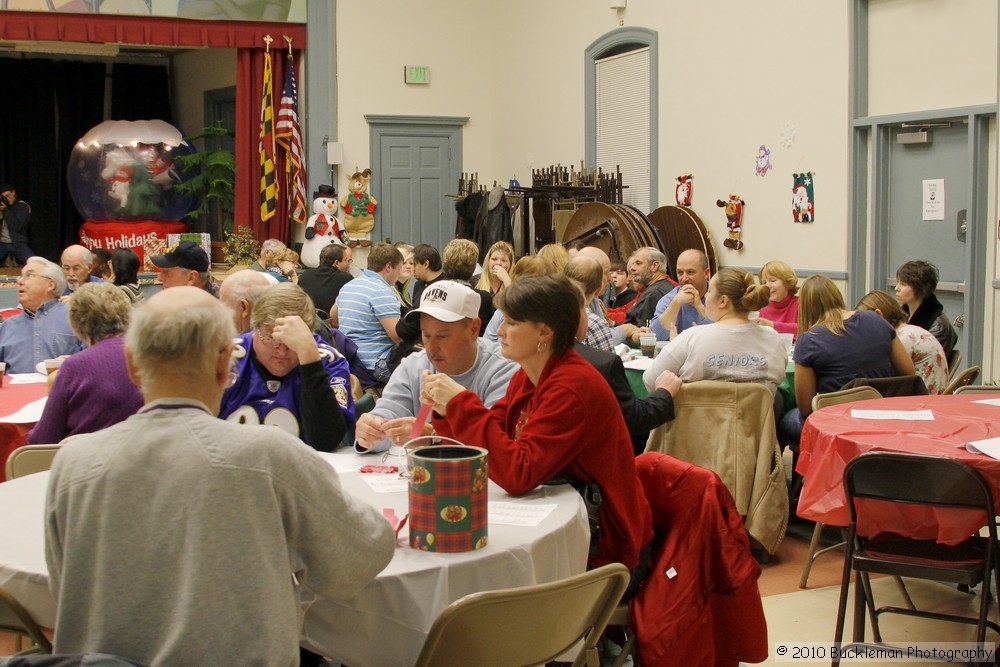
column 416, row 74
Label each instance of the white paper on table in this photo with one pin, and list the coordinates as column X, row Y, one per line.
column 989, row 447
column 990, row 401
column 385, row 482
column 639, row 364
column 908, row 415
column 518, row 514
column 27, row 378
column 28, row 414
column 622, row 350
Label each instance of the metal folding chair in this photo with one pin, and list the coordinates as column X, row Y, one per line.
column 915, row 480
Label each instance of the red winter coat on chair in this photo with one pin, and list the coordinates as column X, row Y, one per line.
column 700, row 604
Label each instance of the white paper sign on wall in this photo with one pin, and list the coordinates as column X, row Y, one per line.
column 933, row 199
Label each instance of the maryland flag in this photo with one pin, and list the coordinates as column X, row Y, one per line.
column 289, row 138
column 268, row 182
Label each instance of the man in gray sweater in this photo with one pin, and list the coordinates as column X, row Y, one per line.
column 177, row 538
column 449, row 329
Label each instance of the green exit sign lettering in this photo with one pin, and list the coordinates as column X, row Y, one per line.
column 416, row 74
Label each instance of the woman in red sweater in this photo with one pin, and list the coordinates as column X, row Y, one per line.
column 782, row 312
column 559, row 416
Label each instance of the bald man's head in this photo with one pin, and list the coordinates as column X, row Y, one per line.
column 177, row 332
column 692, row 269
column 239, row 292
column 601, row 257
column 77, row 261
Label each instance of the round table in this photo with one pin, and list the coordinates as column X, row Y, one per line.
column 832, row 437
column 386, row 624
column 13, row 397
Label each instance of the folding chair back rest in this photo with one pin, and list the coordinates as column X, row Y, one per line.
column 528, row 625
column 30, row 459
column 968, row 376
column 16, row 619
column 860, row 393
column 978, row 389
column 897, row 385
column 954, row 361
column 915, row 478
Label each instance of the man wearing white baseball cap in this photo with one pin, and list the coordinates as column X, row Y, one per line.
column 449, row 325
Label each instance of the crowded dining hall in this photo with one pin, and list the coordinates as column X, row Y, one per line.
column 615, row 349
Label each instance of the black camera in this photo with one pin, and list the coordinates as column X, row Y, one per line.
column 4, row 201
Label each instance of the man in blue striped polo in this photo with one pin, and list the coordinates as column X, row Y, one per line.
column 368, row 309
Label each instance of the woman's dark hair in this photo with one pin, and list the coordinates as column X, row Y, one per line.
column 125, row 265
column 101, row 258
column 921, row 276
column 551, row 299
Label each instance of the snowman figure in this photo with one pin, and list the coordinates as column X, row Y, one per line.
column 323, row 228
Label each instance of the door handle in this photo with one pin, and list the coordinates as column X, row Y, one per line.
column 963, row 225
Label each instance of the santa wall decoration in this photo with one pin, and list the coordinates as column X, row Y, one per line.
column 803, row 197
column 685, row 184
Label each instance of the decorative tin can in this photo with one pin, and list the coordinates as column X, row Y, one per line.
column 448, row 497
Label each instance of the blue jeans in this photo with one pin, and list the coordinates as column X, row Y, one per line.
column 790, row 429
column 20, row 251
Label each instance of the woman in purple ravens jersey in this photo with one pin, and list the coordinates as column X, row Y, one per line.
column 286, row 376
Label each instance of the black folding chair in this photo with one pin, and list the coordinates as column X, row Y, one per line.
column 914, row 479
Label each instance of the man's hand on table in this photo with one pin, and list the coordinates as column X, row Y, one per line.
column 369, row 430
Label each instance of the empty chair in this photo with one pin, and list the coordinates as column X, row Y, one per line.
column 859, row 393
column 15, row 619
column 978, row 389
column 30, row 459
column 968, row 376
column 897, row 385
column 528, row 625
column 915, row 480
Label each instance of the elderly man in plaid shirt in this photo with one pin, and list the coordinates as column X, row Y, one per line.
column 588, row 273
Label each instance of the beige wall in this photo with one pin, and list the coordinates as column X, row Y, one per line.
column 194, row 72
column 732, row 76
column 927, row 54
column 723, row 92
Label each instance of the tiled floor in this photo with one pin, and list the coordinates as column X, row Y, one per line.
column 795, row 615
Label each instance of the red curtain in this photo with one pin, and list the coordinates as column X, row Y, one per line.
column 153, row 30
column 246, row 36
column 249, row 82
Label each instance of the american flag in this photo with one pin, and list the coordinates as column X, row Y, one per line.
column 288, row 138
column 265, row 146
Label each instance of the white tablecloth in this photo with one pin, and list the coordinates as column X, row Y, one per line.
column 386, row 624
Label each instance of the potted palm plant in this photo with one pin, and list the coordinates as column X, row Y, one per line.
column 212, row 181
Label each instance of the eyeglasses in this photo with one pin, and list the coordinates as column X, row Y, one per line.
column 396, row 455
column 266, row 339
column 31, row 274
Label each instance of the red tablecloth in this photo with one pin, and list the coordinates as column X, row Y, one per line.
column 831, row 438
column 12, row 398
